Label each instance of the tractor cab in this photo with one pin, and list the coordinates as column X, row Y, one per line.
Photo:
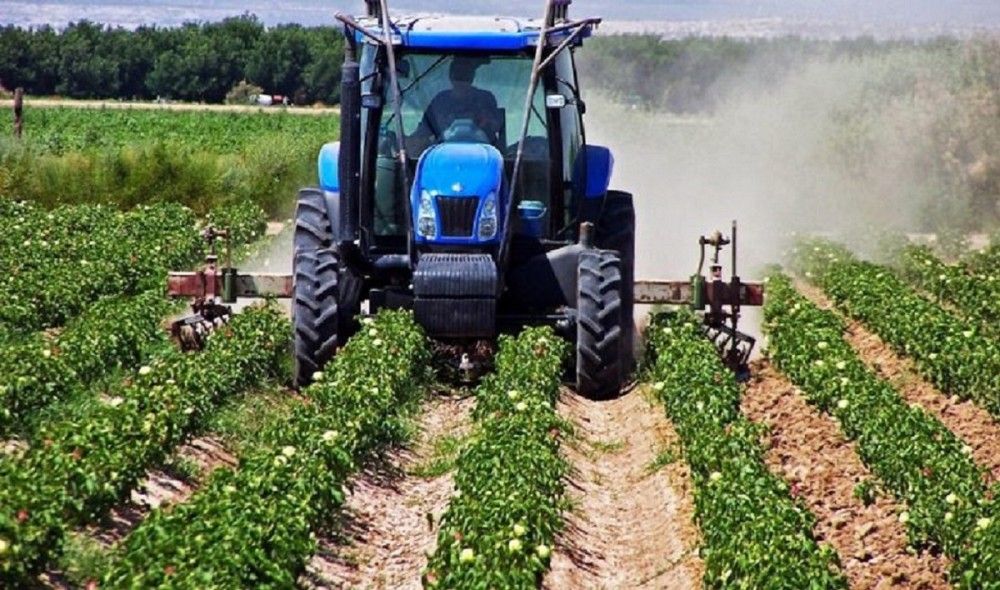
column 462, row 104
column 462, row 137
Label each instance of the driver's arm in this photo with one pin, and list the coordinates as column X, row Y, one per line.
column 426, row 133
column 487, row 117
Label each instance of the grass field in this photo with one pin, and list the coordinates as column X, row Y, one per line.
column 128, row 157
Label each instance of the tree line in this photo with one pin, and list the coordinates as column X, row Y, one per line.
column 195, row 62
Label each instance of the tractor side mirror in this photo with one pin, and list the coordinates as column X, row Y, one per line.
column 597, row 163
column 371, row 101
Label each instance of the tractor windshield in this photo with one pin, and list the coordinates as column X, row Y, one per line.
column 449, row 97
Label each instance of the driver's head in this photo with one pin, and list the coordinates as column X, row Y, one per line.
column 462, row 72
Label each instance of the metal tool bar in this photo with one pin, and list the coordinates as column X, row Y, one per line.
column 652, row 292
column 202, row 284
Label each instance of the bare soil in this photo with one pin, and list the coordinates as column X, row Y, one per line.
column 390, row 518
column 822, row 468
column 971, row 423
column 631, row 521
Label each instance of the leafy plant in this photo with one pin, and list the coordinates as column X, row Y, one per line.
column 915, row 456
column 956, row 355
column 254, row 527
column 755, row 535
column 501, row 522
column 81, row 465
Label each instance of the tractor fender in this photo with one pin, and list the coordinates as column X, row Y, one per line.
column 328, row 164
column 546, row 280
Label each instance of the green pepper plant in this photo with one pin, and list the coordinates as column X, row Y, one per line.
column 501, row 522
column 754, row 534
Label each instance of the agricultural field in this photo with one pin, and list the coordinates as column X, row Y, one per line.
column 128, row 157
column 864, row 452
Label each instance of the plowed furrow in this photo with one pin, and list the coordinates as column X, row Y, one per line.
column 390, row 518
column 163, row 487
column 630, row 523
column 822, row 468
column 160, row 487
column 969, row 422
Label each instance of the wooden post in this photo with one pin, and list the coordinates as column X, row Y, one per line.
column 18, row 112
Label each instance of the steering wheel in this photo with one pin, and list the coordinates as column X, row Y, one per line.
column 464, row 131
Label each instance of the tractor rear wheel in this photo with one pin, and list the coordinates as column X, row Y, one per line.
column 312, row 223
column 616, row 231
column 599, row 366
column 321, row 311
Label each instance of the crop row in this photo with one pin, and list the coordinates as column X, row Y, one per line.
column 115, row 333
column 253, row 527
column 923, row 464
column 86, row 461
column 506, row 510
column 62, row 130
column 951, row 352
column 755, row 535
column 975, row 294
column 69, row 262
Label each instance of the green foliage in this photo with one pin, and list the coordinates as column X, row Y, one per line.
column 976, row 295
column 114, row 333
column 956, row 355
column 755, row 535
column 253, row 527
column 196, row 62
column 79, row 466
column 132, row 157
column 62, row 130
column 111, row 253
column 502, row 520
column 916, row 457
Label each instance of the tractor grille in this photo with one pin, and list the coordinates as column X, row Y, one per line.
column 458, row 215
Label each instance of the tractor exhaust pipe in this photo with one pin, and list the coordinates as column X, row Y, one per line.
column 350, row 141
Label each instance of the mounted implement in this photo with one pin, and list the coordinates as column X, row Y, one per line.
column 463, row 188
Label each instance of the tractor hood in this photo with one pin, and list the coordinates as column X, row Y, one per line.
column 457, row 195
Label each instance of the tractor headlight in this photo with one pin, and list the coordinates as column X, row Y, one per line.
column 488, row 218
column 426, row 218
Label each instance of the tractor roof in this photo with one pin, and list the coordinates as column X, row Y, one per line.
column 467, row 32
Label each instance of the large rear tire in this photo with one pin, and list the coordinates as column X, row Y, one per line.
column 316, row 312
column 616, row 231
column 326, row 292
column 599, row 367
column 313, row 229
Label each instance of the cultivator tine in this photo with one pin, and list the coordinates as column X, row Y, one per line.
column 190, row 332
column 734, row 347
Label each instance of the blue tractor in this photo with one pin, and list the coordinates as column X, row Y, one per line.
column 463, row 188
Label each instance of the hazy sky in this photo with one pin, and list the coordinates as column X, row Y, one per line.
column 921, row 13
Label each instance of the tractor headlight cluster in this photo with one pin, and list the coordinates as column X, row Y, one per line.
column 426, row 217
column 488, row 218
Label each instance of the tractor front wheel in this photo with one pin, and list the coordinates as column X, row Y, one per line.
column 321, row 311
column 599, row 365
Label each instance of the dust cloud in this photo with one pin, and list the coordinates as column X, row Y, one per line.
column 808, row 154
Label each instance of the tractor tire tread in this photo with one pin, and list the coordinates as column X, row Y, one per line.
column 599, row 368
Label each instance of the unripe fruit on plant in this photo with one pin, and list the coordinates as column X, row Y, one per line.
column 467, row 555
column 543, row 551
column 514, row 545
column 519, row 530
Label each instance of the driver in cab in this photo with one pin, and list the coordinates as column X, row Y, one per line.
column 461, row 113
